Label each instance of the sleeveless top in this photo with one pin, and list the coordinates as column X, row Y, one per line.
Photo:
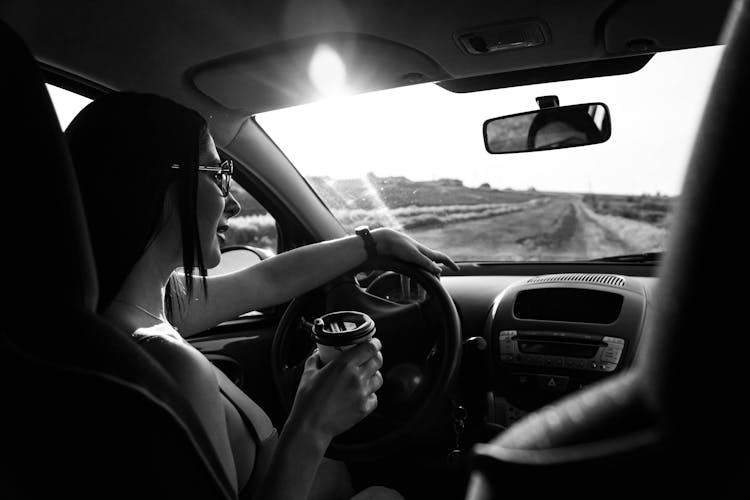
column 243, row 417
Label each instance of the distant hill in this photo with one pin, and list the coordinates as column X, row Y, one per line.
column 397, row 192
column 394, row 192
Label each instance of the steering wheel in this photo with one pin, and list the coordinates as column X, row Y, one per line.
column 421, row 353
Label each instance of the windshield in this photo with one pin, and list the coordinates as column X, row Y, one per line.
column 414, row 159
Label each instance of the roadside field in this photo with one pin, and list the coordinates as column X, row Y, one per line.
column 562, row 229
column 482, row 224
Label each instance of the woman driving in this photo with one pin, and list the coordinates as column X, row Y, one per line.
column 157, row 200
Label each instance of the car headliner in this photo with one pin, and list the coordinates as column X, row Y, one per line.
column 163, row 46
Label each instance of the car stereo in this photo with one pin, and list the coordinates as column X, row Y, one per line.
column 533, row 348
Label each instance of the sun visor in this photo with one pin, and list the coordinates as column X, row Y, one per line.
column 307, row 69
column 646, row 26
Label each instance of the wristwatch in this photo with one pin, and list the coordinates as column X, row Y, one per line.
column 370, row 245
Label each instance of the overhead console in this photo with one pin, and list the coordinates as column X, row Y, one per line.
column 550, row 335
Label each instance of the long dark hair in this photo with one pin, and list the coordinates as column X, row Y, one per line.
column 123, row 146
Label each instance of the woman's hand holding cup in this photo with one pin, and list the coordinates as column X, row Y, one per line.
column 332, row 398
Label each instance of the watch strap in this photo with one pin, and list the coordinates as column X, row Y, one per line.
column 370, row 245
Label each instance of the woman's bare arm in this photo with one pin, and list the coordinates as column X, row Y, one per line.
column 290, row 274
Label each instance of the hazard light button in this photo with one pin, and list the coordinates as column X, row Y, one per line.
column 552, row 383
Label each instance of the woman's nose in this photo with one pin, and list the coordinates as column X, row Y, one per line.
column 231, row 206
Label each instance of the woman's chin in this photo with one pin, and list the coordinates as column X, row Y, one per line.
column 212, row 262
column 212, row 258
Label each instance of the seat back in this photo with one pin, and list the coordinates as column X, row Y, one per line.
column 86, row 412
column 677, row 422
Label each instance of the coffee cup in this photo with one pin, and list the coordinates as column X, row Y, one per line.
column 338, row 331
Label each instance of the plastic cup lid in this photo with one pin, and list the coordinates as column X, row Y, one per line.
column 342, row 328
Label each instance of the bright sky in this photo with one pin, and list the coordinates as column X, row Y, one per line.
column 424, row 132
column 67, row 104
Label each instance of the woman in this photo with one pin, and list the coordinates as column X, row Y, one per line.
column 565, row 127
column 156, row 200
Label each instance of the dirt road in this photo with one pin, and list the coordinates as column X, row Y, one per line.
column 564, row 228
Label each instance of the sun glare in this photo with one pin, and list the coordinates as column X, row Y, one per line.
column 424, row 132
column 327, row 72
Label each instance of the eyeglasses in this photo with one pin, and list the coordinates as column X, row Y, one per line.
column 222, row 174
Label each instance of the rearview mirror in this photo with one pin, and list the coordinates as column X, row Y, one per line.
column 548, row 128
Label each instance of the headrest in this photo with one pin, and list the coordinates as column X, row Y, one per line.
column 50, row 263
column 698, row 346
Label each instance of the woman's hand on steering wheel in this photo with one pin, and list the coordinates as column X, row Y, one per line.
column 332, row 398
column 395, row 244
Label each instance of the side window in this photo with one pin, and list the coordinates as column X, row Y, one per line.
column 67, row 104
column 253, row 226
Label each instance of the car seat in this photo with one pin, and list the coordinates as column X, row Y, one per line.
column 676, row 424
column 86, row 413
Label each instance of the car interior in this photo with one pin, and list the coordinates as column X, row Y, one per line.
column 538, row 378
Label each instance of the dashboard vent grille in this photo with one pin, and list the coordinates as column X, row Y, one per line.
column 599, row 279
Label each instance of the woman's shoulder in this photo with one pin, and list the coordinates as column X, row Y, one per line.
column 194, row 375
column 181, row 360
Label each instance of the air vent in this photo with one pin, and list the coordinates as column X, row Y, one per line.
column 599, row 279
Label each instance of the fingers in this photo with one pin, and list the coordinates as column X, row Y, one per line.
column 372, row 365
column 375, row 382
column 427, row 258
column 444, row 259
column 422, row 259
column 407, row 248
column 434, row 255
column 370, row 404
column 360, row 354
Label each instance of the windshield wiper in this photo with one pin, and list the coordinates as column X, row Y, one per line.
column 635, row 257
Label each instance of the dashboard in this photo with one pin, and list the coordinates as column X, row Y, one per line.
column 542, row 336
